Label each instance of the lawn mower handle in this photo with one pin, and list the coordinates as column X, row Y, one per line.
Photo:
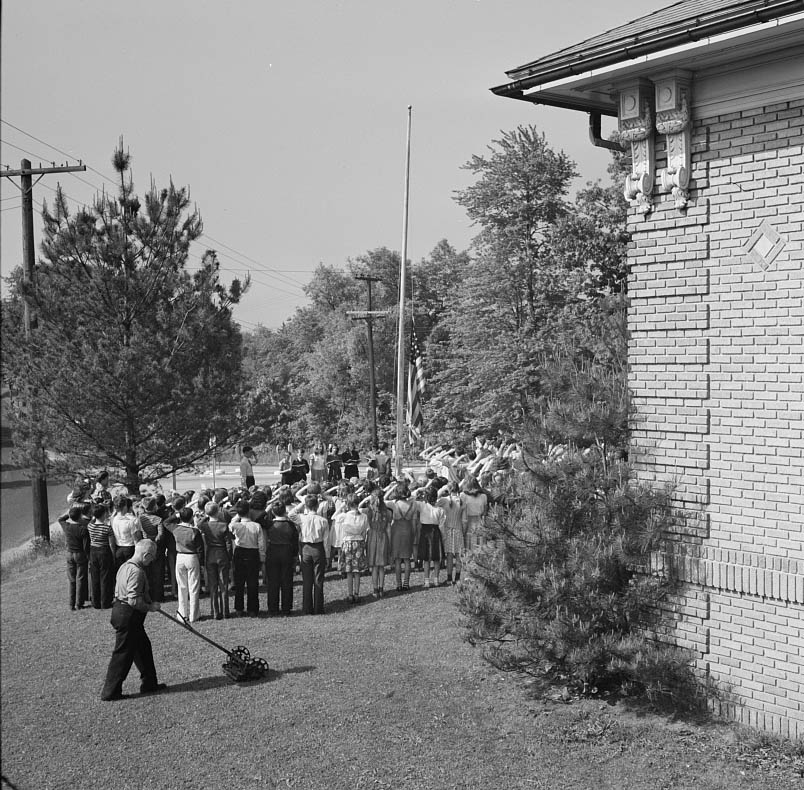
column 183, row 622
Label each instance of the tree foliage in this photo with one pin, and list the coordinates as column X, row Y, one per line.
column 539, row 261
column 560, row 592
column 484, row 317
column 134, row 360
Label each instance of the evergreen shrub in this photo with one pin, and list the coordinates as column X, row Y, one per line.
column 561, row 591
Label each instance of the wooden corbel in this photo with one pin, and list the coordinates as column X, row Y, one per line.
column 636, row 127
column 673, row 121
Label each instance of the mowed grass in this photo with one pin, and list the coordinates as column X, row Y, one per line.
column 385, row 694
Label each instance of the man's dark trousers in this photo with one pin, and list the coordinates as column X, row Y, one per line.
column 280, row 566
column 131, row 646
column 246, row 573
column 77, row 570
column 313, row 563
column 101, row 564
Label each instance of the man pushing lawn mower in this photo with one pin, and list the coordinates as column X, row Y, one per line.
column 132, row 601
column 132, row 646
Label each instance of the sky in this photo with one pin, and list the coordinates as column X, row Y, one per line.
column 286, row 119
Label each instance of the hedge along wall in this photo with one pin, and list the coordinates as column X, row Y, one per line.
column 716, row 372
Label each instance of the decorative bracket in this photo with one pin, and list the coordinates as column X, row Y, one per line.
column 673, row 121
column 636, row 127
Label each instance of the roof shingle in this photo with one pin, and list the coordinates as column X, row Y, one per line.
column 693, row 19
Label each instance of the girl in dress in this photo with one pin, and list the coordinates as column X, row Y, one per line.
column 378, row 541
column 431, row 521
column 353, row 526
column 475, row 503
column 405, row 514
column 453, row 531
column 336, row 536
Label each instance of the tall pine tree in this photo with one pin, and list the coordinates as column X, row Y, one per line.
column 134, row 360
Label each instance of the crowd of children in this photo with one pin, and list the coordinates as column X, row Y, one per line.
column 227, row 539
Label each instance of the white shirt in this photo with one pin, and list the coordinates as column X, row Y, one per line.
column 314, row 528
column 352, row 526
column 430, row 514
column 248, row 535
column 124, row 527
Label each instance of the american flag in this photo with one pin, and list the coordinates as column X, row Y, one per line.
column 415, row 389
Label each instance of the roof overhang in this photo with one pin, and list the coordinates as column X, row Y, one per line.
column 587, row 80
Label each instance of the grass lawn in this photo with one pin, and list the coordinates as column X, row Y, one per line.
column 385, row 694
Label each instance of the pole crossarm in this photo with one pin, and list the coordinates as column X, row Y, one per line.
column 43, row 171
column 357, row 315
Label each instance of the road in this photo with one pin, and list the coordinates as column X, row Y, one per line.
column 16, row 524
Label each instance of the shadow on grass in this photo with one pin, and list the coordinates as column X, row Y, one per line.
column 219, row 681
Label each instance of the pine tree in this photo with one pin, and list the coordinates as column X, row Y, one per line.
column 134, row 361
column 560, row 591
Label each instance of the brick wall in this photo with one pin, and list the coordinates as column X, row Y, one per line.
column 717, row 379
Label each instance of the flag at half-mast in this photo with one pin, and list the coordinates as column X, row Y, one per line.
column 415, row 389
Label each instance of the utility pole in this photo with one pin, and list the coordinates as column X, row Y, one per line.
column 368, row 316
column 41, row 520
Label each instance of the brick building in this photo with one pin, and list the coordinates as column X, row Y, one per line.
column 709, row 97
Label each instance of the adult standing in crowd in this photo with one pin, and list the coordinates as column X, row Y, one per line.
column 314, row 532
column 247, row 461
column 382, row 460
column 300, row 467
column 286, row 469
column 334, row 465
column 351, row 458
column 189, row 554
column 318, row 466
column 76, row 535
column 132, row 602
column 101, row 557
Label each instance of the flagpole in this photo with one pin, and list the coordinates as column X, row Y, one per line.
column 401, row 378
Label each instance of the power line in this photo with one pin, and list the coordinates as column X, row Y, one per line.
column 277, row 274
column 263, row 270
column 272, row 286
column 267, row 269
column 50, row 145
column 25, row 151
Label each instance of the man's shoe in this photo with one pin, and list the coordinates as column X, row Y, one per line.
column 153, row 689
